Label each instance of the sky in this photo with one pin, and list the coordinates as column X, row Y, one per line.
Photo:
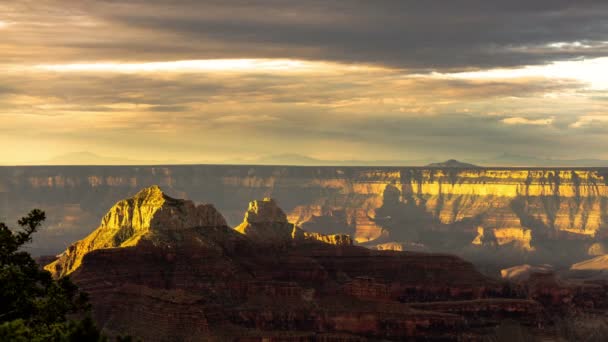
column 216, row 81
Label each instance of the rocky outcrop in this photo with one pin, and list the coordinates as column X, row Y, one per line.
column 182, row 274
column 599, row 263
column 266, row 223
column 563, row 292
column 518, row 238
column 133, row 219
column 401, row 246
column 300, row 235
column 597, row 249
column 523, row 273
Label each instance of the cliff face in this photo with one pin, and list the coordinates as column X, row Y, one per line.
column 468, row 211
column 163, row 269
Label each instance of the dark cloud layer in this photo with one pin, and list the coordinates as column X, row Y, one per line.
column 437, row 34
column 431, row 34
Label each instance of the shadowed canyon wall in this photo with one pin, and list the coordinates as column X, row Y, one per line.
column 546, row 214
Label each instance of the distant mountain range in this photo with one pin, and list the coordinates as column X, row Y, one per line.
column 293, row 159
column 504, row 160
column 89, row 158
column 303, row 160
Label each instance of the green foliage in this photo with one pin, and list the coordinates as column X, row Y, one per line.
column 34, row 306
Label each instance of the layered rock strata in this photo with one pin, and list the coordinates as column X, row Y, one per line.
column 552, row 215
column 549, row 215
column 181, row 274
column 566, row 292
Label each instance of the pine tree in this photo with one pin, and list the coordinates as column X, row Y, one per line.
column 34, row 306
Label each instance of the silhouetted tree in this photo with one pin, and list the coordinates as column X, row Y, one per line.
column 34, row 306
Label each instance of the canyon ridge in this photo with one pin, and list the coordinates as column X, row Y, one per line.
column 495, row 217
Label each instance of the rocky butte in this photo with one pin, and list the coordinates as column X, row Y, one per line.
column 160, row 269
column 495, row 217
column 266, row 223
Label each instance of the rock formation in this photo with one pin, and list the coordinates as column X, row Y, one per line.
column 566, row 292
column 266, row 223
column 300, row 235
column 599, row 263
column 150, row 214
column 597, row 249
column 164, row 269
column 523, row 273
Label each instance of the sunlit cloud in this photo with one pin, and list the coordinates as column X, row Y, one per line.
column 208, row 65
column 243, row 118
column 588, row 120
column 526, row 121
column 591, row 71
column 570, row 45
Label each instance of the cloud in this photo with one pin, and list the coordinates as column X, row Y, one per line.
column 526, row 121
column 213, row 80
column 435, row 34
column 4, row 90
column 590, row 123
column 209, row 65
column 340, row 91
column 244, row 118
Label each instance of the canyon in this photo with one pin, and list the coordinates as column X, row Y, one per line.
column 166, row 269
column 498, row 216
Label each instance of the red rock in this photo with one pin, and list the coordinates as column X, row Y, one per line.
column 189, row 282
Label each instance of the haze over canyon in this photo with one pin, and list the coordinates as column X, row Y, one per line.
column 494, row 217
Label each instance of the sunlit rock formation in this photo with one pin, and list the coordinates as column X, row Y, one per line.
column 599, row 263
column 266, row 223
column 597, row 249
column 300, row 235
column 522, row 273
column 130, row 220
column 401, row 246
column 519, row 238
